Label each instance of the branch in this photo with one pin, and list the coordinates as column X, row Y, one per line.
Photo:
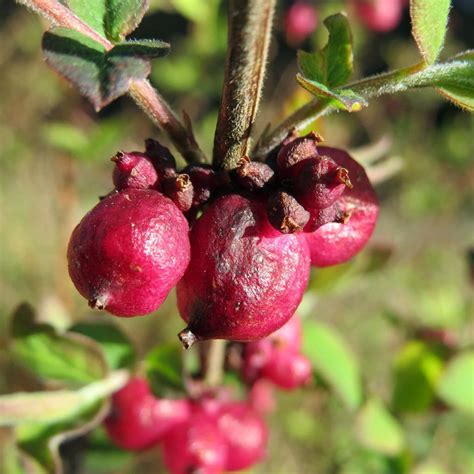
column 248, row 40
column 214, row 366
column 143, row 93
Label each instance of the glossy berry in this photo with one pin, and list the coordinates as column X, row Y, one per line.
column 245, row 279
column 245, row 434
column 138, row 420
column 129, row 251
column 337, row 242
column 301, row 20
column 134, row 170
column 379, row 15
column 195, row 446
column 287, row 369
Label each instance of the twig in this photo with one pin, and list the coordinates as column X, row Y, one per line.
column 248, row 40
column 143, row 93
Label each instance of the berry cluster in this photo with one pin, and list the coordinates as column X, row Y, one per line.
column 207, row 435
column 242, row 269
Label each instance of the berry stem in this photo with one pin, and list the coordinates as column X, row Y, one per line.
column 249, row 24
column 142, row 92
column 214, row 365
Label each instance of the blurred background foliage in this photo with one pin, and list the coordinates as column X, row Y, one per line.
column 398, row 314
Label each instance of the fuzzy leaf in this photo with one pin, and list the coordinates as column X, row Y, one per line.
column 378, row 430
column 333, row 360
column 164, row 368
column 113, row 19
column 417, row 369
column 343, row 99
column 456, row 386
column 99, row 75
column 429, row 21
column 68, row 358
column 332, row 65
column 118, row 350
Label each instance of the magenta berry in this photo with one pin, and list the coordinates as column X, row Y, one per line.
column 296, row 150
column 379, row 15
column 129, row 251
column 195, row 446
column 301, row 20
column 180, row 190
column 253, row 175
column 319, row 182
column 337, row 242
column 138, row 420
column 134, row 170
column 287, row 369
column 245, row 433
column 204, row 180
column 245, row 279
column 285, row 213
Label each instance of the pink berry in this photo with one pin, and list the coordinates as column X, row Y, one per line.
column 245, row 279
column 134, row 170
column 195, row 446
column 138, row 420
column 379, row 15
column 261, row 397
column 288, row 370
column 337, row 242
column 245, row 433
column 289, row 336
column 129, row 251
column 301, row 20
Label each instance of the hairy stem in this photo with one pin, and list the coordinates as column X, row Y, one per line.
column 141, row 91
column 248, row 40
column 373, row 86
column 214, row 366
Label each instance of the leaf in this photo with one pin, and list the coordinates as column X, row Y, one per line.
column 100, row 75
column 429, row 21
column 69, row 358
column 332, row 65
column 417, row 369
column 378, row 430
column 456, row 386
column 164, row 369
column 333, row 360
column 343, row 99
column 118, row 350
column 113, row 19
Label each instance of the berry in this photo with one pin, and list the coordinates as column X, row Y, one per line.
column 245, row 279
column 319, row 182
column 138, row 420
column 261, row 397
column 337, row 242
column 301, row 20
column 180, row 190
column 134, row 170
column 285, row 213
column 195, row 446
column 287, row 370
column 204, row 180
column 294, row 151
column 379, row 15
column 253, row 175
column 245, row 433
column 129, row 251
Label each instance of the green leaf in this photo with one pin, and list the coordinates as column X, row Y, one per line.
column 164, row 369
column 456, row 386
column 113, row 19
column 378, row 430
column 69, row 358
column 343, row 99
column 333, row 360
column 332, row 65
column 429, row 21
column 417, row 369
column 118, row 350
column 100, row 75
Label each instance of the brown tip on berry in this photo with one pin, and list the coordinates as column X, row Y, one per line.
column 289, row 226
column 187, row 338
column 315, row 136
column 342, row 175
column 98, row 303
column 343, row 217
column 183, row 182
